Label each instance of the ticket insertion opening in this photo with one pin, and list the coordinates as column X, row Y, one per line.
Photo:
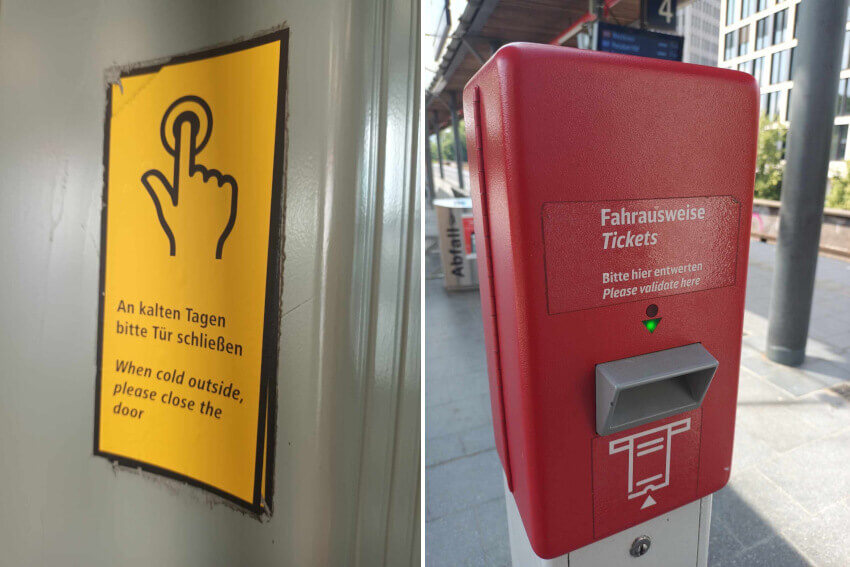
column 641, row 389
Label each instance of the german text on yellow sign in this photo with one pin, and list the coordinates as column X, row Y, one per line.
column 190, row 267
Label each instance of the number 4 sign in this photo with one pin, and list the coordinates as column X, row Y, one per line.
column 660, row 14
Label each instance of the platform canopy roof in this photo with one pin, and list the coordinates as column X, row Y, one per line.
column 485, row 25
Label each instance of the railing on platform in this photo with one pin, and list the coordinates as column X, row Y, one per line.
column 835, row 232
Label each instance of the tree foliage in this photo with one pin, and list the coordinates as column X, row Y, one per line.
column 839, row 192
column 769, row 160
column 447, row 143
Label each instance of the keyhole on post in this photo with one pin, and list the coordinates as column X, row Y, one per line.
column 640, row 546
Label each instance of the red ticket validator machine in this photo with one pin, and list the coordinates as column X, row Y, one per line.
column 612, row 200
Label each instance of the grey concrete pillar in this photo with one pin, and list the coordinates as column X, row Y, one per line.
column 817, row 62
column 458, row 141
column 439, row 146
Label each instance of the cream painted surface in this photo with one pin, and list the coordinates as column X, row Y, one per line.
column 346, row 478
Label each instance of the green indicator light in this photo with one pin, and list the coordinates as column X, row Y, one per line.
column 651, row 324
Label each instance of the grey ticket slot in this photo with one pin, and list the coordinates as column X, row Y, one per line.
column 640, row 389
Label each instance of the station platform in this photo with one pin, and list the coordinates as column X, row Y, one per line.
column 788, row 501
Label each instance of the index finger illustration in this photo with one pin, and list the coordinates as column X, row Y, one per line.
column 185, row 128
column 180, row 108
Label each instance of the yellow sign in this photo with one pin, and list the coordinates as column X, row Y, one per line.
column 191, row 267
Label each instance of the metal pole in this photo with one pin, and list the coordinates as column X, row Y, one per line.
column 817, row 61
column 455, row 132
column 439, row 146
column 600, row 9
column 429, row 168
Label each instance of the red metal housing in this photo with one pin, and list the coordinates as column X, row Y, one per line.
column 556, row 137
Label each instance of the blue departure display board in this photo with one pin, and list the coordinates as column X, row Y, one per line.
column 633, row 41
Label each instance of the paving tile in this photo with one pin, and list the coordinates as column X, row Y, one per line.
column 754, row 341
column 843, row 340
column 824, row 371
column 754, row 389
column 447, row 366
column 775, row 552
column 755, row 509
column 749, row 451
column 440, row 389
column 775, row 423
column 463, row 483
column 448, row 541
column 825, row 411
column 836, row 355
column 753, row 322
column 464, row 339
column 750, row 448
column 457, row 416
column 442, row 449
column 823, row 539
column 799, row 383
column 472, row 343
column 455, row 445
column 814, row 474
column 815, row 374
column 478, row 439
column 829, row 324
column 755, row 361
column 755, row 330
column 722, row 545
column 822, row 412
column 491, row 525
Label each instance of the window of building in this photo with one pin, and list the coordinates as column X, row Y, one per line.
column 842, row 103
column 746, row 67
column 770, row 104
column 780, row 21
column 775, row 62
column 730, row 47
column 762, row 5
column 796, row 17
column 762, row 33
column 839, row 142
column 748, row 8
column 791, row 63
column 730, row 12
column 845, row 55
column 758, row 69
column 780, row 66
column 743, row 40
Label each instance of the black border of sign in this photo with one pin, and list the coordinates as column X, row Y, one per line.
column 266, row 426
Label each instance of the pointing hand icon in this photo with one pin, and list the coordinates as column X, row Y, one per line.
column 197, row 205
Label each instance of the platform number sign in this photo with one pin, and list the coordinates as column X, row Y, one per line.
column 661, row 14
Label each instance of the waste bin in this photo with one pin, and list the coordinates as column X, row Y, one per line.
column 457, row 243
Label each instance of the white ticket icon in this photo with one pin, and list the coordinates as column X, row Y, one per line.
column 649, row 458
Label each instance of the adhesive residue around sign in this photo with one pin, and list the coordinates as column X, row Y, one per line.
column 191, row 268
column 607, row 252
